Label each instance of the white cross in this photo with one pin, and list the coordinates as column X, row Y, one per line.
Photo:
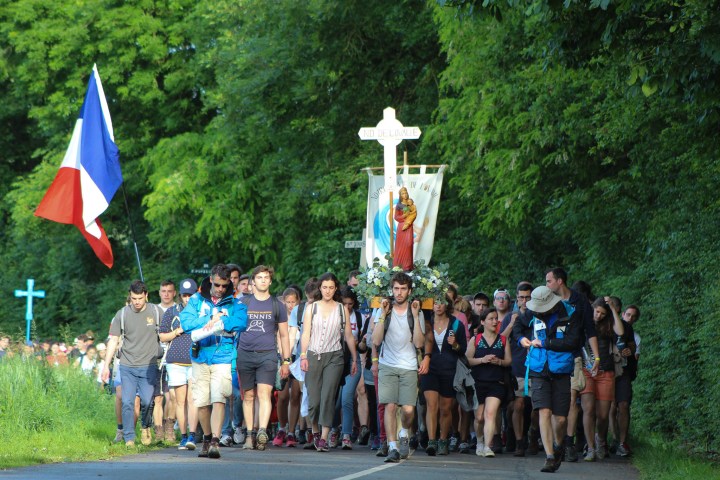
column 29, row 293
column 389, row 132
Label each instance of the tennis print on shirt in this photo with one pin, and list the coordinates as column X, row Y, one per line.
column 256, row 321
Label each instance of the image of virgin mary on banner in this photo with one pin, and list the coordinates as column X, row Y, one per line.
column 414, row 214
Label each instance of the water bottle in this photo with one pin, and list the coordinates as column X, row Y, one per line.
column 621, row 345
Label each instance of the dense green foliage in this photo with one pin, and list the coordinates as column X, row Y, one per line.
column 581, row 134
column 54, row 413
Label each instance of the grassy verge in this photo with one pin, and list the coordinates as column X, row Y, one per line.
column 658, row 459
column 53, row 414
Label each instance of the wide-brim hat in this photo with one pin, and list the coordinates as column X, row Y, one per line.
column 542, row 299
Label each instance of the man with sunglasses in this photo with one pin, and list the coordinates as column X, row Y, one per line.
column 218, row 317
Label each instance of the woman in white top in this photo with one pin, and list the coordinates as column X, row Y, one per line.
column 321, row 355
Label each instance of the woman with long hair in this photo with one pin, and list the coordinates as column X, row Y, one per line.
column 599, row 390
column 321, row 355
column 449, row 344
column 488, row 354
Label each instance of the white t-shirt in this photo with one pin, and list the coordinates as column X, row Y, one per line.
column 637, row 344
column 397, row 349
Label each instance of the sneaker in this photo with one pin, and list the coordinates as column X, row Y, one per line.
column 488, row 452
column 346, row 442
column 393, row 456
column 383, row 450
column 590, row 456
column 464, row 447
column 309, row 441
column 443, row 447
column 226, row 441
column 571, row 454
column 480, row 449
column 601, row 448
column 118, row 436
column 214, row 449
column 262, row 439
column 404, row 447
column 290, row 441
column 146, row 436
column 333, row 439
column 248, row 445
column 301, row 435
column 519, row 448
column 322, row 445
column 204, row 450
column 623, row 450
column 279, row 439
column 190, row 444
column 316, row 441
column 453, row 445
column 423, row 439
column 414, row 442
column 130, row 444
column 364, row 435
column 549, row 466
column 239, row 435
column 375, row 443
column 431, row 448
column 183, row 444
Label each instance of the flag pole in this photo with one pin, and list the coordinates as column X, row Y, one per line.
column 132, row 232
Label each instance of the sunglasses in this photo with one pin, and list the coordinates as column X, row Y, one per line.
column 220, row 285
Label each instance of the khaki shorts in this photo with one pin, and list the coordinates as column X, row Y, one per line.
column 212, row 383
column 577, row 381
column 520, row 392
column 397, row 385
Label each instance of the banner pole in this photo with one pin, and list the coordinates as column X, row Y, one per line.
column 132, row 233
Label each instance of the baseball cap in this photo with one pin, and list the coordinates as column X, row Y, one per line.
column 188, row 287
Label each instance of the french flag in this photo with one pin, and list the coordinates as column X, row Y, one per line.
column 89, row 175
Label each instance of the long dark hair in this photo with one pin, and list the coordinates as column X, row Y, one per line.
column 330, row 277
column 604, row 327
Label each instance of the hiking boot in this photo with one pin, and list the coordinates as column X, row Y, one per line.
column 213, row 449
column 290, row 441
column 590, row 456
column 309, row 441
column 510, row 442
column 496, row 444
column 364, row 435
column 239, row 435
column 159, row 433
column 443, row 447
column 145, row 436
column 322, row 445
column 262, row 439
column 571, row 454
column 204, row 449
column 623, row 450
column 346, row 442
column 532, row 448
column 279, row 439
column 383, row 450
column 225, row 441
column 118, row 436
column 190, row 444
column 431, row 448
column 464, row 447
column 404, row 447
column 519, row 448
column 558, row 453
column 170, row 430
column 130, row 444
column 333, row 443
column 393, row 456
column 549, row 466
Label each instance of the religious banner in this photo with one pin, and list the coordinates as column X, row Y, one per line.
column 414, row 214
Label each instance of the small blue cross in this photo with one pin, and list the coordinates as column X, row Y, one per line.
column 29, row 293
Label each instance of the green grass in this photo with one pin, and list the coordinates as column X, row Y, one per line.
column 53, row 414
column 658, row 459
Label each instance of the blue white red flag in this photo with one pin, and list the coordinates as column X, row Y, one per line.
column 89, row 175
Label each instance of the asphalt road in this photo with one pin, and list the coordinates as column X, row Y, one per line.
column 298, row 464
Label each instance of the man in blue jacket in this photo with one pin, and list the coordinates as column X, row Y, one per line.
column 214, row 314
column 555, row 330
